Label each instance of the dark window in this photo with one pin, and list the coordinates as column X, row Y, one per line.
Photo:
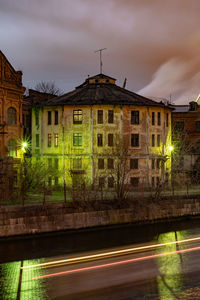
column 11, row 116
column 36, row 117
column 77, row 116
column 56, row 163
column 101, row 182
column 56, row 139
column 110, row 163
column 110, row 116
column 49, row 117
column 134, row 163
column 179, row 125
column 153, row 181
column 134, row 117
column 23, row 120
column 158, row 140
column 100, row 116
column 159, row 118
column 56, row 180
column 49, row 140
column 197, row 126
column 198, row 147
column 37, row 140
column 157, row 180
column 153, row 140
column 50, row 181
column 134, row 181
column 167, row 119
column 110, row 139
column 134, row 140
column 100, row 163
column 77, row 163
column 158, row 164
column 77, row 139
column 50, row 162
column 56, row 117
column 153, row 118
column 153, row 163
column 110, row 182
column 99, row 140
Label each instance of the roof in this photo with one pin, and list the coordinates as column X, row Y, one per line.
column 180, row 108
column 96, row 93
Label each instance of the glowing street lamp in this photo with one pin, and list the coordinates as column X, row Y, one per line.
column 171, row 148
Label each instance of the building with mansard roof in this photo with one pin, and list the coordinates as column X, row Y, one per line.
column 101, row 133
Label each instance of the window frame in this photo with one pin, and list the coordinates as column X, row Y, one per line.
column 134, row 164
column 100, row 163
column 56, row 137
column 135, row 140
column 135, row 117
column 159, row 118
column 56, row 117
column 77, row 116
column 153, row 118
column 110, row 139
column 49, row 140
column 99, row 140
column 77, row 139
column 110, row 116
column 11, row 116
column 49, row 117
column 100, row 116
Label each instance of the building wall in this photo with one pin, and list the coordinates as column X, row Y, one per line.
column 11, row 96
column 89, row 152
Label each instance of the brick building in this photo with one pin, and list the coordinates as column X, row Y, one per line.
column 88, row 132
column 11, row 100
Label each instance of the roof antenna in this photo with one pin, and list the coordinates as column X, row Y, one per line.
column 124, row 84
column 100, row 56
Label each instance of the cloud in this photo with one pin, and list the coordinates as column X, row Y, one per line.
column 152, row 43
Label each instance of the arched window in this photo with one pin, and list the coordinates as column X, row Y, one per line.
column 11, row 116
column 12, row 148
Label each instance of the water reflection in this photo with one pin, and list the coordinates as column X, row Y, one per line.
column 16, row 283
column 170, row 281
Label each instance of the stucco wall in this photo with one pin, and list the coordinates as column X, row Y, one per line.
column 39, row 219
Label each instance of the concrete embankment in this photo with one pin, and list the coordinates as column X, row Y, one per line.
column 19, row 220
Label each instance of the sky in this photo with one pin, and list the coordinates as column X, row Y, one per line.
column 153, row 43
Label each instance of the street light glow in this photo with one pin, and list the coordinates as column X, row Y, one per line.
column 171, row 148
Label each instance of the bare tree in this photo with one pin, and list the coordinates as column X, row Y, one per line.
column 48, row 87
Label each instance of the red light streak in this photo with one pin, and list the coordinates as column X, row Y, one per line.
column 117, row 263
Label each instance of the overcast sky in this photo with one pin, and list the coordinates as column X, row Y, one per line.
column 154, row 43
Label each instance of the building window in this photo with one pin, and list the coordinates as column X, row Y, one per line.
column 153, row 118
column 50, row 162
column 99, row 140
column 49, row 139
column 100, row 116
column 110, row 139
column 110, row 182
column 11, row 116
column 134, row 181
column 159, row 118
column 158, row 164
column 134, row 163
column 153, row 181
column 101, row 182
column 56, row 118
column 153, row 163
column 110, row 116
column 36, row 118
column 56, row 139
column 158, row 140
column 77, row 116
column 77, row 139
column 49, row 117
column 100, row 163
column 167, row 119
column 134, row 117
column 77, row 163
column 153, row 140
column 37, row 140
column 197, row 126
column 12, row 148
column 179, row 125
column 134, row 140
column 56, row 181
column 110, row 164
column 157, row 181
column 56, row 163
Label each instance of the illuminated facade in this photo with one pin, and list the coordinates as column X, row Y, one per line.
column 11, row 99
column 90, row 132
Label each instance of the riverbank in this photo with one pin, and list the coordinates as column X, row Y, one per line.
column 38, row 219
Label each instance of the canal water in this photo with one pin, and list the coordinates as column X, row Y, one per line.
column 18, row 252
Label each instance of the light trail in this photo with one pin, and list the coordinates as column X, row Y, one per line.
column 105, row 254
column 117, row 263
